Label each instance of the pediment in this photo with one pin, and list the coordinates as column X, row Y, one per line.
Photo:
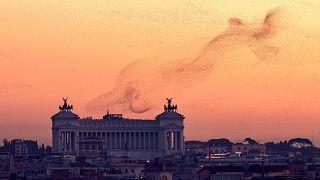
column 67, row 126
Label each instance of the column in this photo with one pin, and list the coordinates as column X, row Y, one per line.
column 149, row 137
column 144, row 134
column 137, row 140
column 128, row 145
column 63, row 141
column 113, row 140
column 141, row 140
column 125, row 139
column 169, row 140
column 120, row 142
column 129, row 140
column 108, row 140
column 151, row 140
column 156, row 143
column 72, row 141
column 146, row 145
column 80, row 135
column 175, row 140
column 116, row 140
column 182, row 142
column 66, row 140
column 178, row 140
column 132, row 144
column 69, row 140
column 60, row 141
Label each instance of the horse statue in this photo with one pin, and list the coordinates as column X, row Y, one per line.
column 65, row 106
column 174, row 108
column 69, row 107
column 170, row 107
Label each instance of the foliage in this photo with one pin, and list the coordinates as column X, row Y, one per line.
column 250, row 141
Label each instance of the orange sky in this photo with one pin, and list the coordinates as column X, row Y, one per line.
column 76, row 49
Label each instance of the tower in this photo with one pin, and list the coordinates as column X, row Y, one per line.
column 64, row 129
column 172, row 124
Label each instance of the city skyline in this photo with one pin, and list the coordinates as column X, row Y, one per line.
column 263, row 83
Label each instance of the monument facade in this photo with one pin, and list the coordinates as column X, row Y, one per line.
column 116, row 135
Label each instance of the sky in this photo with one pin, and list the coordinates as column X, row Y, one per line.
column 235, row 69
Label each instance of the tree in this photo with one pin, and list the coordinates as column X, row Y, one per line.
column 48, row 149
column 5, row 141
column 250, row 141
column 282, row 146
column 6, row 145
column 300, row 143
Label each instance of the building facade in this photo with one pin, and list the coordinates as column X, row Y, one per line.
column 116, row 135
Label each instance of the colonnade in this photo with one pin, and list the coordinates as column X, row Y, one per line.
column 67, row 140
column 124, row 140
column 173, row 140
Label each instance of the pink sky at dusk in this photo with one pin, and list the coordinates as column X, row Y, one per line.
column 76, row 49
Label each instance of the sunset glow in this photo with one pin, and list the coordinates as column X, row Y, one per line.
column 248, row 80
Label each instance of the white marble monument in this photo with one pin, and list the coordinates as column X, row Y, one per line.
column 116, row 135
